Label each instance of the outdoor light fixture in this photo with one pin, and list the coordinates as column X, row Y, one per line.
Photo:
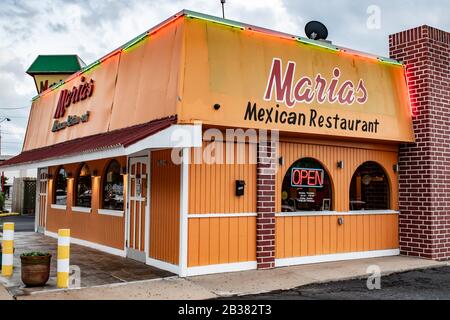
column 240, row 188
column 395, row 167
column 341, row 221
column 217, row 107
column 340, row 164
column 123, row 170
column 281, row 161
column 95, row 173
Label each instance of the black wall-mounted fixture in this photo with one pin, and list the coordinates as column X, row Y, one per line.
column 217, row 106
column 340, row 164
column 395, row 167
column 341, row 221
column 240, row 188
column 281, row 161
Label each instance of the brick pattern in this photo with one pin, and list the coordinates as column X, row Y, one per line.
column 265, row 221
column 424, row 175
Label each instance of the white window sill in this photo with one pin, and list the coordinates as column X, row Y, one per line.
column 335, row 213
column 58, row 207
column 81, row 209
column 114, row 213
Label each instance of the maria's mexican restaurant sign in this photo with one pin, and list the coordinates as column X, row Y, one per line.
column 307, row 178
column 68, row 97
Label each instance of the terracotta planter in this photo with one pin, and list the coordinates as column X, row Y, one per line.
column 35, row 270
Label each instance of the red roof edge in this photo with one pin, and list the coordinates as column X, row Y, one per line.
column 121, row 137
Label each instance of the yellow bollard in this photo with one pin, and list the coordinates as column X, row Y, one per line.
column 8, row 250
column 62, row 279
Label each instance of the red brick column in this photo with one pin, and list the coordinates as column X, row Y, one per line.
column 424, row 174
column 265, row 221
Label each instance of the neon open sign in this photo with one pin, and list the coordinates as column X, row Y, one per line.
column 307, row 178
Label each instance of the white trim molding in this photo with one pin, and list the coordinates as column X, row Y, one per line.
column 108, row 212
column 58, row 207
column 222, row 215
column 81, row 210
column 335, row 213
column 92, row 245
column 335, row 257
column 163, row 265
column 221, row 268
column 184, row 211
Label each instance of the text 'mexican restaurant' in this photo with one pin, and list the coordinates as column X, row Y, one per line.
column 322, row 127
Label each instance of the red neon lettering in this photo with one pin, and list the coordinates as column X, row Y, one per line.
column 319, row 178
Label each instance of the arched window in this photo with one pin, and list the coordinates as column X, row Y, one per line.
column 83, row 187
column 113, row 187
column 306, row 187
column 60, row 194
column 369, row 189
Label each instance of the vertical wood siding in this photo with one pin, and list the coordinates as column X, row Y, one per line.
column 318, row 235
column 93, row 227
column 221, row 240
column 212, row 186
column 212, row 191
column 164, row 207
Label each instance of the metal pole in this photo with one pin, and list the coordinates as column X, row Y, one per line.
column 223, row 8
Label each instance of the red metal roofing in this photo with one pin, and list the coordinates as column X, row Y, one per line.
column 122, row 137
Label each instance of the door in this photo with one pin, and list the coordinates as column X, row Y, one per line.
column 41, row 200
column 137, row 208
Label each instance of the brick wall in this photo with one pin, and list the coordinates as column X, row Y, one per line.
column 265, row 221
column 424, row 174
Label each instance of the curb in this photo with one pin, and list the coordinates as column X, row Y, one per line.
column 3, row 215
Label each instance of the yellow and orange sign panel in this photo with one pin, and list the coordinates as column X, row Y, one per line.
column 259, row 80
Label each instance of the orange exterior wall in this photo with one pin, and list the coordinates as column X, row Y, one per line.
column 164, row 208
column 131, row 87
column 212, row 191
column 317, row 235
column 93, row 227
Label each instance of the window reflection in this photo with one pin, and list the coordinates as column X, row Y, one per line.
column 113, row 187
column 83, row 194
column 306, row 187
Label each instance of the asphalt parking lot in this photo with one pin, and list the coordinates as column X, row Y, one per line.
column 21, row 223
column 426, row 284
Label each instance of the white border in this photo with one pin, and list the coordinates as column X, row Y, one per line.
column 336, row 213
column 335, row 257
column 113, row 213
column 184, row 210
column 162, row 265
column 81, row 210
column 92, row 245
column 58, row 207
column 221, row 215
column 221, row 268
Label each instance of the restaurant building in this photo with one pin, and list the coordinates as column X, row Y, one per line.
column 206, row 145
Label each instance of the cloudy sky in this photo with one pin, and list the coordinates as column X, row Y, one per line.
column 92, row 28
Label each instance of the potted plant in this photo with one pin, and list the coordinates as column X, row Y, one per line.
column 35, row 268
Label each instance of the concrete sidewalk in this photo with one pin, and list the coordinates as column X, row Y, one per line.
column 240, row 283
